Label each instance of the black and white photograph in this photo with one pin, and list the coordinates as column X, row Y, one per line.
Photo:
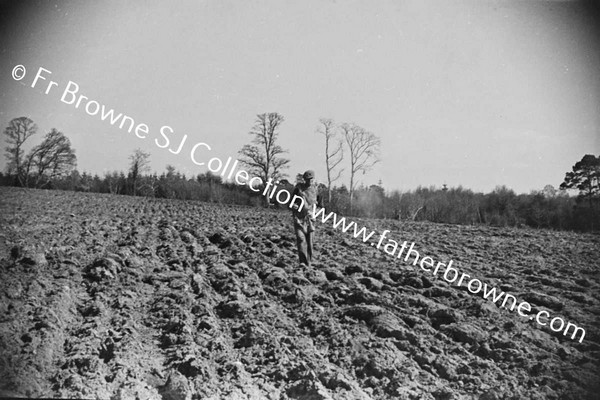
column 298, row 200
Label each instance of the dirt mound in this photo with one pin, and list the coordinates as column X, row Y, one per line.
column 116, row 297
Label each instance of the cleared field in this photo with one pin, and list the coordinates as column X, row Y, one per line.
column 117, row 297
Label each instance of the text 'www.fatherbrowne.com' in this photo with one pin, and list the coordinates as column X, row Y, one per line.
column 405, row 252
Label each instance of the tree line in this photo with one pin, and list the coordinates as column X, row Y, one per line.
column 52, row 164
column 547, row 208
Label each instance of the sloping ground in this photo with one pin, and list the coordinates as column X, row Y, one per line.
column 116, row 297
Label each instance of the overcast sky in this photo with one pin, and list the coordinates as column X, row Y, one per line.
column 471, row 93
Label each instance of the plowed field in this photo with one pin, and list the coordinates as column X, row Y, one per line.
column 116, row 297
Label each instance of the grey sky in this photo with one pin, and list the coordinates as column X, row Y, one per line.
column 471, row 93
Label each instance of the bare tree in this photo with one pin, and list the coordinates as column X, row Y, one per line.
column 139, row 165
column 549, row 191
column 263, row 157
column 114, row 181
column 51, row 159
column 364, row 151
column 333, row 157
column 17, row 132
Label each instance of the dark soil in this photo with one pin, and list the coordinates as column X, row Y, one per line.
column 116, row 297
